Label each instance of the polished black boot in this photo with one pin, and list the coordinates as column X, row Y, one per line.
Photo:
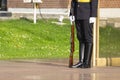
column 81, row 55
column 87, row 55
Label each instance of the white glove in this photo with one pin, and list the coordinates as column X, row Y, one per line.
column 92, row 19
column 72, row 18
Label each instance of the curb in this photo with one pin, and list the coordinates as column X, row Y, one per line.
column 108, row 62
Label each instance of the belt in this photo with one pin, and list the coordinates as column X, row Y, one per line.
column 83, row 0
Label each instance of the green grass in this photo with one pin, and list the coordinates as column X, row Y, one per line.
column 21, row 39
column 109, row 42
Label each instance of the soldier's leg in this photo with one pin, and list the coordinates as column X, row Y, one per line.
column 81, row 44
column 88, row 35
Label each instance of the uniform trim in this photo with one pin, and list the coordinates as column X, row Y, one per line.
column 83, row 0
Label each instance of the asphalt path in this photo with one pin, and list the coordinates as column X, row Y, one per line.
column 53, row 70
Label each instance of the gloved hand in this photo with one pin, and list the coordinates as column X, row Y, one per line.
column 92, row 19
column 72, row 18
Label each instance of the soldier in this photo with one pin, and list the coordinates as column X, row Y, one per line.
column 84, row 13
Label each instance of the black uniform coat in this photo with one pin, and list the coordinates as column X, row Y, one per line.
column 85, row 10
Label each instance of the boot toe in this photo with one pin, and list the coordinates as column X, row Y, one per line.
column 78, row 65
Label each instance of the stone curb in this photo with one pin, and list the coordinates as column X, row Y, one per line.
column 108, row 62
column 115, row 22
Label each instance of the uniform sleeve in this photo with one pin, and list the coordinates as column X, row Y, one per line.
column 94, row 7
column 72, row 7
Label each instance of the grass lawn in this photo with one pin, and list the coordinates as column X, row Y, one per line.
column 21, row 39
column 109, row 42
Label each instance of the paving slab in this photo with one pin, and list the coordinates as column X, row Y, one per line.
column 53, row 70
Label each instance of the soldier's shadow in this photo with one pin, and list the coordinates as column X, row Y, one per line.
column 53, row 64
column 50, row 63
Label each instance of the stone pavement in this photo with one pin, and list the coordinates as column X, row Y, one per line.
column 53, row 70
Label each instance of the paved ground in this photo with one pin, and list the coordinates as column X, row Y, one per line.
column 53, row 70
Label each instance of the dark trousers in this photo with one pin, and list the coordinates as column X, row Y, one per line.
column 85, row 37
column 84, row 31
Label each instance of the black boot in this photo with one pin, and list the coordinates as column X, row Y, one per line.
column 81, row 55
column 87, row 55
